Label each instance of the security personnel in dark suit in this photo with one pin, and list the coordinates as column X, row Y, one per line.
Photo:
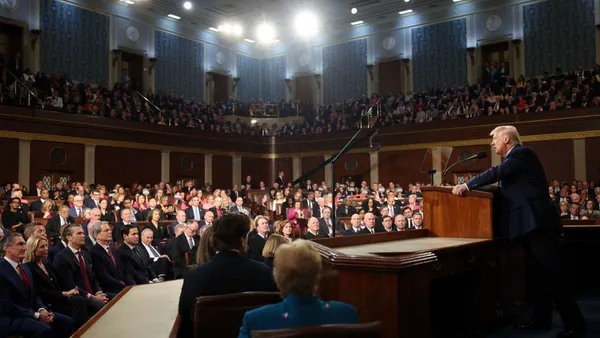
column 534, row 222
column 228, row 272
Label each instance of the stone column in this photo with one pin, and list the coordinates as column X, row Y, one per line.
column 328, row 172
column 579, row 159
column 165, row 165
column 236, row 171
column 374, row 171
column 25, row 162
column 208, row 168
column 296, row 167
column 90, row 163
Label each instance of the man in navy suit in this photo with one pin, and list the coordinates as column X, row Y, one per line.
column 194, row 211
column 37, row 205
column 297, row 270
column 534, row 222
column 21, row 309
column 228, row 272
column 105, row 262
column 77, row 210
column 355, row 229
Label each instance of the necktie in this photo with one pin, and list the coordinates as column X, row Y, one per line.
column 133, row 219
column 154, row 252
column 111, row 256
column 88, row 286
column 371, row 230
column 391, row 211
column 23, row 276
column 196, row 215
column 137, row 253
column 79, row 213
column 191, row 243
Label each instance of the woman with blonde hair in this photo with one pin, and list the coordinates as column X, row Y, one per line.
column 218, row 209
column 46, row 284
column 297, row 270
column 271, row 245
column 47, row 209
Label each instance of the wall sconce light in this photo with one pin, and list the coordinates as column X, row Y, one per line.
column 116, row 56
column 406, row 63
column 236, row 80
column 209, row 77
column 288, row 83
column 318, row 80
column 152, row 64
column 370, row 70
column 35, row 35
column 517, row 42
column 471, row 51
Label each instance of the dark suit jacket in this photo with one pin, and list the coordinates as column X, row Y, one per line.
column 69, row 273
column 342, row 212
column 73, row 211
column 524, row 192
column 15, row 300
column 397, row 208
column 133, row 265
column 214, row 211
column 159, row 233
column 279, row 180
column 227, row 272
column 109, row 275
column 351, row 232
column 324, row 229
column 116, row 232
column 233, row 196
column 89, row 204
column 36, row 205
column 236, row 209
column 47, row 286
column 189, row 213
column 256, row 245
column 309, row 235
column 144, row 254
column 55, row 249
column 53, row 226
column 177, row 250
column 366, row 231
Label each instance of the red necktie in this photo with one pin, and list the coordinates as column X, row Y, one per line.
column 111, row 256
column 23, row 276
column 88, row 286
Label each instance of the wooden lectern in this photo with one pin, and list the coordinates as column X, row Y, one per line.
column 452, row 277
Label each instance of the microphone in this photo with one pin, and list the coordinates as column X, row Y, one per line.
column 481, row 154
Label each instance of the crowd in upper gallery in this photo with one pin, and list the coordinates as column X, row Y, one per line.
column 496, row 93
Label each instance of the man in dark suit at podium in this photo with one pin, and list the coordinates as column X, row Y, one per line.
column 533, row 221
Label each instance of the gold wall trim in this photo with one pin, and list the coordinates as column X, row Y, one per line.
column 416, row 146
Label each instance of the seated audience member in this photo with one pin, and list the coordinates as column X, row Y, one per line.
column 106, row 267
column 34, row 229
column 239, row 205
column 74, row 268
column 77, row 210
column 153, row 256
column 408, row 214
column 370, row 205
column 297, row 270
column 135, row 214
column 355, row 229
column 589, row 211
column 564, row 210
column 400, row 223
column 388, row 225
column 194, row 211
column 313, row 230
column 183, row 249
column 229, row 271
column 93, row 201
column 287, row 231
column 22, row 311
column 47, row 210
column 256, row 243
column 295, row 212
column 37, row 205
column 417, row 221
column 412, row 202
column 206, row 251
column 218, row 210
column 126, row 219
column 94, row 216
column 369, row 224
column 152, row 204
column 58, row 246
column 393, row 207
column 46, row 283
column 274, row 241
column 54, row 223
column 180, row 218
column 132, row 264
column 326, row 223
column 14, row 216
column 346, row 210
column 209, row 218
column 160, row 230
column 106, row 214
column 573, row 211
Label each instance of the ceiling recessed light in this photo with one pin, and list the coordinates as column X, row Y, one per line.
column 406, row 0
column 213, row 29
column 406, row 11
column 357, row 23
column 173, row 16
column 249, row 41
column 354, row 10
column 187, row 5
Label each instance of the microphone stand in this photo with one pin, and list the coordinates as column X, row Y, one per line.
column 454, row 164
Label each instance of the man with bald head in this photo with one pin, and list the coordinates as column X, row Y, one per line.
column 369, row 224
column 533, row 221
column 355, row 229
column 313, row 229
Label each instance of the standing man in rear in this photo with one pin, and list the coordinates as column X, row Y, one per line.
column 533, row 222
